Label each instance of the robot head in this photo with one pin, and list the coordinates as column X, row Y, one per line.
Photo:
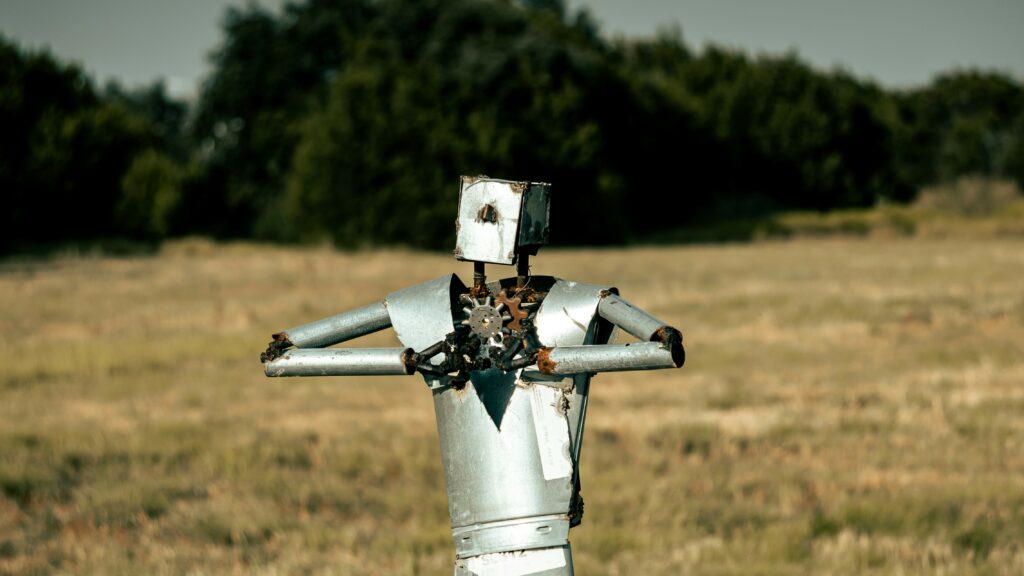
column 500, row 219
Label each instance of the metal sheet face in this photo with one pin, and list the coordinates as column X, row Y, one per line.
column 488, row 222
column 552, row 431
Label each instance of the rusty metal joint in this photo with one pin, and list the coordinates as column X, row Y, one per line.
column 410, row 359
column 672, row 340
column 667, row 335
column 276, row 347
column 544, row 362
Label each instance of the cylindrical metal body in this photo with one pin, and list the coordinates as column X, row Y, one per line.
column 342, row 362
column 618, row 311
column 609, row 358
column 339, row 328
column 510, row 444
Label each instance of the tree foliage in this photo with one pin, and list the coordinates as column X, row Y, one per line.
column 963, row 123
column 150, row 194
column 351, row 120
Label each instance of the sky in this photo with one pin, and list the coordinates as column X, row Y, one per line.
column 899, row 43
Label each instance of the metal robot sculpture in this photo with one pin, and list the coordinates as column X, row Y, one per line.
column 508, row 364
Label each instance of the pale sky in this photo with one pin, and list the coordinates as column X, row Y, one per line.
column 899, row 43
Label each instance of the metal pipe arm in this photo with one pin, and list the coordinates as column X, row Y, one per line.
column 337, row 329
column 343, row 362
column 618, row 311
column 610, row 357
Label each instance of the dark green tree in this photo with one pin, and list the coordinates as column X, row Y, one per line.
column 63, row 151
column 268, row 72
column 959, row 124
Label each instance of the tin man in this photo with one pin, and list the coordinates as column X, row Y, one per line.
column 508, row 364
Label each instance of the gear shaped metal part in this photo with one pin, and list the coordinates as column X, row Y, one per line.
column 515, row 311
column 486, row 320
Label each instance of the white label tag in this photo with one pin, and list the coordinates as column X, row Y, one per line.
column 522, row 562
column 552, row 430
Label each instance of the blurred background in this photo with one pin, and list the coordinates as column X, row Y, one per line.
column 824, row 196
column 312, row 120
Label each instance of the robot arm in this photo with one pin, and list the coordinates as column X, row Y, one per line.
column 616, row 310
column 343, row 362
column 329, row 331
column 303, row 350
column 661, row 346
column 353, row 361
column 610, row 358
column 311, row 357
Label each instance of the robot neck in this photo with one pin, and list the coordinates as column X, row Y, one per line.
column 522, row 272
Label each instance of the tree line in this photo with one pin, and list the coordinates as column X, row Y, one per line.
column 351, row 120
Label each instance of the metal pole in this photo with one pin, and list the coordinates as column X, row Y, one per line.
column 343, row 362
column 479, row 277
column 338, row 328
column 618, row 311
column 609, row 358
column 522, row 270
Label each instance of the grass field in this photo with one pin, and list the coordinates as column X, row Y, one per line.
column 847, row 407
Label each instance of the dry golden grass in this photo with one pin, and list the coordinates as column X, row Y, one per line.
column 848, row 407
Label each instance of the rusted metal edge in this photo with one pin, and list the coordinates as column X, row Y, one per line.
column 667, row 334
column 544, row 362
column 410, row 360
column 276, row 347
column 672, row 339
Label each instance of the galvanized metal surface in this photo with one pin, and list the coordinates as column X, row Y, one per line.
column 510, row 446
column 555, row 561
column 341, row 362
column 493, row 468
column 491, row 215
column 533, row 532
column 340, row 327
column 618, row 311
column 608, row 358
column 422, row 314
column 568, row 317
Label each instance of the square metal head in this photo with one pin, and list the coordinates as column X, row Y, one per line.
column 499, row 219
